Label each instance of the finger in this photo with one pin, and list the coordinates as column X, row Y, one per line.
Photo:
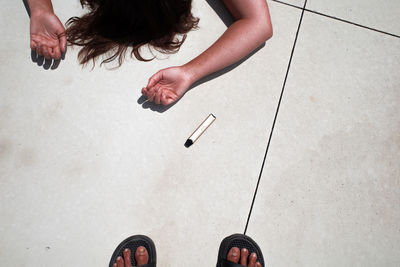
column 56, row 52
column 148, row 90
column 155, row 79
column 46, row 52
column 152, row 93
column 167, row 98
column 127, row 257
column 63, row 41
column 39, row 50
column 170, row 101
column 163, row 100
column 51, row 51
column 120, row 262
column 170, row 96
column 33, row 45
column 150, row 97
column 157, row 97
column 145, row 91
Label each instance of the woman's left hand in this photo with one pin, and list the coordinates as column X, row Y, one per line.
column 47, row 35
column 167, row 85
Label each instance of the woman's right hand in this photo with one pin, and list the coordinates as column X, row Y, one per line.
column 167, row 85
column 47, row 35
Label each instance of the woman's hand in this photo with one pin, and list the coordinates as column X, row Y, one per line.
column 47, row 35
column 167, row 85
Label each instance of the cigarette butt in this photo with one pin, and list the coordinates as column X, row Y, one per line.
column 200, row 130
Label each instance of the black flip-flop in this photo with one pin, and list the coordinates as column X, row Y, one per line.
column 133, row 243
column 240, row 241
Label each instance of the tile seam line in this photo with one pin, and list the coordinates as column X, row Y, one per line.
column 339, row 19
column 275, row 118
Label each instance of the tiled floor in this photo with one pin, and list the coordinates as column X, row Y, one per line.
column 83, row 164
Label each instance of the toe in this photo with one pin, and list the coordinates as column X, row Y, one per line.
column 127, row 258
column 258, row 264
column 252, row 261
column 243, row 256
column 141, row 256
column 234, row 255
column 120, row 262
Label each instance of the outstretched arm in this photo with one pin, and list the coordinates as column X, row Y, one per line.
column 46, row 31
column 251, row 28
column 40, row 5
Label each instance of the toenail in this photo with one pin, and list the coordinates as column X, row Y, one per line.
column 141, row 249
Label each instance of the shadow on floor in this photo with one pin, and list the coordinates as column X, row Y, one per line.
column 227, row 18
column 222, row 12
column 152, row 106
column 40, row 60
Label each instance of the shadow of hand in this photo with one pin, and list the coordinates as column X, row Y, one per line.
column 46, row 63
column 142, row 100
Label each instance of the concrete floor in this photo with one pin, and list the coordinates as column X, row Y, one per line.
column 84, row 163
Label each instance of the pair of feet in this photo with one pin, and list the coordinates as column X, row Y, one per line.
column 234, row 255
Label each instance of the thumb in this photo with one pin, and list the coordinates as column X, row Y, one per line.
column 63, row 41
column 155, row 79
column 170, row 97
column 61, row 34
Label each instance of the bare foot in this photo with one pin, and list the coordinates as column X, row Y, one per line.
column 236, row 255
column 141, row 257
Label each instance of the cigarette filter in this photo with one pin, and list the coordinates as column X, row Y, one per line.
column 200, row 130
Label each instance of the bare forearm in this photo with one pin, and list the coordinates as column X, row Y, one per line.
column 241, row 38
column 40, row 5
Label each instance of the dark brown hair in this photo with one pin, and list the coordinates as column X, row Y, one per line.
column 112, row 26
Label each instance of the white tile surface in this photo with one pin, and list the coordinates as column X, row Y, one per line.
column 83, row 165
column 330, row 192
column 298, row 3
column 382, row 15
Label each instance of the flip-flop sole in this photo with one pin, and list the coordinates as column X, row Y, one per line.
column 133, row 243
column 240, row 241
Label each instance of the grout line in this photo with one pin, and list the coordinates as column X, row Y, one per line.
column 276, row 115
column 339, row 19
column 280, row 2
column 352, row 23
